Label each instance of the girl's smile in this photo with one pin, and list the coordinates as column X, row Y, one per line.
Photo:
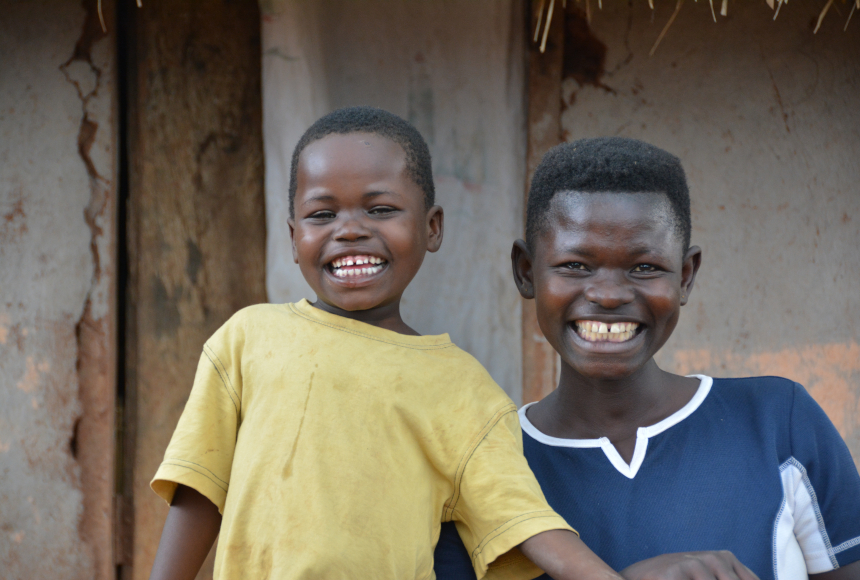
column 609, row 274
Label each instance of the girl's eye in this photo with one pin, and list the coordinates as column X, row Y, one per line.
column 645, row 268
column 323, row 214
column 575, row 266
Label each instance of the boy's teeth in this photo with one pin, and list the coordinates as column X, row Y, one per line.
column 355, row 261
column 593, row 331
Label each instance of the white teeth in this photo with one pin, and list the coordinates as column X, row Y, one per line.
column 594, row 331
column 343, row 273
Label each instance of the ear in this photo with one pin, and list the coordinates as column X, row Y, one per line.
column 692, row 261
column 435, row 228
column 292, row 223
column 521, row 262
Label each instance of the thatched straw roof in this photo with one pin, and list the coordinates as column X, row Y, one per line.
column 547, row 7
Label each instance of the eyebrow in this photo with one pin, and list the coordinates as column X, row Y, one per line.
column 634, row 251
column 368, row 195
column 372, row 194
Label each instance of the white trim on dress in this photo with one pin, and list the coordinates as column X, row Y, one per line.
column 642, row 434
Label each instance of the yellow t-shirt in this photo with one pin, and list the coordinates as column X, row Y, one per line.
column 334, row 449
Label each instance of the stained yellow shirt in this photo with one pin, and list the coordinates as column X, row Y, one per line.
column 335, row 449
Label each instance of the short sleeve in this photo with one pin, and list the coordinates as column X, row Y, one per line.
column 200, row 453
column 827, row 492
column 499, row 503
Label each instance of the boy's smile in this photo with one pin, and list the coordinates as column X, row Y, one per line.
column 609, row 278
column 361, row 227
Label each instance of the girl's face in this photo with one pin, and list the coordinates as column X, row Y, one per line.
column 609, row 277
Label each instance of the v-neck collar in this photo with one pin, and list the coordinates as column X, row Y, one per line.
column 642, row 434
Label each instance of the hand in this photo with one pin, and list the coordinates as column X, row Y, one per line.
column 720, row 565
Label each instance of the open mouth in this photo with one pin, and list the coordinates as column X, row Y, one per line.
column 356, row 266
column 594, row 331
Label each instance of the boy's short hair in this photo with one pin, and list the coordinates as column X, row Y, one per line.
column 378, row 122
column 608, row 164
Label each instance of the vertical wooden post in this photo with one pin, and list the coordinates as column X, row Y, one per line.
column 196, row 218
column 540, row 375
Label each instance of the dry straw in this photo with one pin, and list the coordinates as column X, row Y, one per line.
column 775, row 5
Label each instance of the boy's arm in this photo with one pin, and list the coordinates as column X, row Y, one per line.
column 562, row 555
column 189, row 532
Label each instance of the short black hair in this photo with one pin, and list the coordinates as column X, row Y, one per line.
column 608, row 164
column 378, row 122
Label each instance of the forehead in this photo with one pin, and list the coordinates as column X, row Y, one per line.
column 612, row 219
column 351, row 156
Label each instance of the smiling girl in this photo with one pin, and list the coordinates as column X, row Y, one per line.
column 647, row 464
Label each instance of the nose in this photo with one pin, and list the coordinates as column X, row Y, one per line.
column 609, row 290
column 351, row 228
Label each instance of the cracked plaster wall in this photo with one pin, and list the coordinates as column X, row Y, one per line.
column 765, row 117
column 57, row 166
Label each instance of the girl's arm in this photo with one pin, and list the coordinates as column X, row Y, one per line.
column 189, row 532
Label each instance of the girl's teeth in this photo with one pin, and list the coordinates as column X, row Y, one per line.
column 593, row 331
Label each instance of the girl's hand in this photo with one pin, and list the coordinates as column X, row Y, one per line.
column 720, row 565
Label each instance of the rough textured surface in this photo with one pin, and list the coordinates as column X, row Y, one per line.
column 455, row 69
column 196, row 215
column 540, row 361
column 57, row 337
column 766, row 119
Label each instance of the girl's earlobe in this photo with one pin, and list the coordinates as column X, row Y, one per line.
column 521, row 263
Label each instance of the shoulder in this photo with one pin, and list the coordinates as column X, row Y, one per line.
column 465, row 376
column 756, row 393
column 248, row 322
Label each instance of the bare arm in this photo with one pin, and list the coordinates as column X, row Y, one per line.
column 562, row 555
column 189, row 532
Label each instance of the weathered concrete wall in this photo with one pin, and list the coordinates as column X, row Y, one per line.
column 456, row 70
column 766, row 119
column 57, row 240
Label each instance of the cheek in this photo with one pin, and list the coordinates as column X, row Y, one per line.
column 665, row 304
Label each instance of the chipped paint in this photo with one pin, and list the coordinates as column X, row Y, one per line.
column 30, row 381
column 56, row 316
column 830, row 372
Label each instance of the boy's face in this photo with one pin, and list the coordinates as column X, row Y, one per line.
column 609, row 278
column 361, row 228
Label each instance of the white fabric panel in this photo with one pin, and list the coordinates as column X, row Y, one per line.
column 456, row 70
column 799, row 533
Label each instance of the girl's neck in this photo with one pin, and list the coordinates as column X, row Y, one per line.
column 589, row 408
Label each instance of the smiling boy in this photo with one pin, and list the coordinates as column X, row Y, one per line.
column 648, row 465
column 329, row 439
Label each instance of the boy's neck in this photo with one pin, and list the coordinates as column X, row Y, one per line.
column 588, row 408
column 386, row 316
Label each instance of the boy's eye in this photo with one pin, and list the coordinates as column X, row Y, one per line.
column 381, row 210
column 322, row 214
